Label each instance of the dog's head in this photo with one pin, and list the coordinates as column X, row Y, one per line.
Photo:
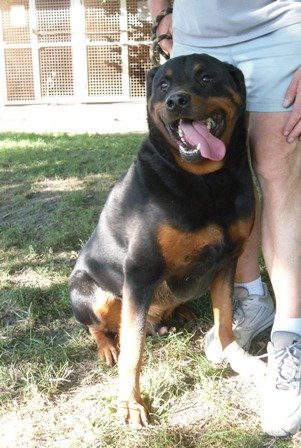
column 194, row 102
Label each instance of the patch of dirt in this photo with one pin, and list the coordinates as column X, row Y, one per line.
column 30, row 278
column 237, row 394
column 70, row 184
column 65, row 422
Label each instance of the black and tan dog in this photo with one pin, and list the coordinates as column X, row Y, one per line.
column 175, row 224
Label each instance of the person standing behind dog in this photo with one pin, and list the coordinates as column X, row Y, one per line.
column 263, row 39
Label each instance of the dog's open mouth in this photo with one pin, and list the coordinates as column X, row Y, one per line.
column 198, row 140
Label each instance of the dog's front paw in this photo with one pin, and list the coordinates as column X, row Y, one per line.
column 133, row 412
column 108, row 352
column 242, row 362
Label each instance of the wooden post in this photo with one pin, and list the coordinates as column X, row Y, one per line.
column 124, row 50
column 79, row 57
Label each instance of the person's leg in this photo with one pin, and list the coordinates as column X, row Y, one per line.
column 269, row 63
column 278, row 167
column 248, row 267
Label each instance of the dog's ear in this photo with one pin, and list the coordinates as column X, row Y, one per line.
column 149, row 80
column 239, row 79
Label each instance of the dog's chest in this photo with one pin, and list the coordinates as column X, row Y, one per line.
column 181, row 249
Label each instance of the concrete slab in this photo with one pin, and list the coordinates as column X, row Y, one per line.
column 75, row 119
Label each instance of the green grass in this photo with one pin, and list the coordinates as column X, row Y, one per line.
column 53, row 390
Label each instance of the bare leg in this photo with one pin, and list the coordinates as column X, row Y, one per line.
column 247, row 266
column 278, row 167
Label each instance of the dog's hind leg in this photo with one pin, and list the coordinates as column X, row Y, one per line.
column 164, row 307
column 107, row 308
column 100, row 311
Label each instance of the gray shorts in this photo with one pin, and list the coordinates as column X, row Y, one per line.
column 267, row 62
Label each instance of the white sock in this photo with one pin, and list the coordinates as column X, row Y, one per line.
column 254, row 288
column 290, row 324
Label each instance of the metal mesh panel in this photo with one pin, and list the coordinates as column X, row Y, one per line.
column 19, row 74
column 139, row 27
column 56, row 71
column 139, row 64
column 104, row 70
column 41, row 29
column 102, row 20
column 53, row 20
column 15, row 21
column 139, row 21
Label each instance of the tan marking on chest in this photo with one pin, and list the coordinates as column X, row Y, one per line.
column 178, row 247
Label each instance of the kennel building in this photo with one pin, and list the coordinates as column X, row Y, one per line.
column 73, row 51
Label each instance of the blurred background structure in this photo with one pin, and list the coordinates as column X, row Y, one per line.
column 73, row 51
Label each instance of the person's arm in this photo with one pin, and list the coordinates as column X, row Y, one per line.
column 292, row 129
column 156, row 6
column 165, row 25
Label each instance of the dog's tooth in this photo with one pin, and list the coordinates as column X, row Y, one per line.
column 198, row 146
column 209, row 123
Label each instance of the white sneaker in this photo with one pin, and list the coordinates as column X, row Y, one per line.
column 251, row 315
column 281, row 401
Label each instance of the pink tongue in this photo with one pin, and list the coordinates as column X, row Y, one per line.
column 196, row 133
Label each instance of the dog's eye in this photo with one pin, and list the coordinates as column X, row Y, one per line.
column 163, row 86
column 207, row 79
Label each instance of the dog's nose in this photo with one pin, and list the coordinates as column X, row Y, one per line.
column 177, row 101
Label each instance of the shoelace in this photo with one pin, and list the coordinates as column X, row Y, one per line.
column 289, row 367
column 238, row 312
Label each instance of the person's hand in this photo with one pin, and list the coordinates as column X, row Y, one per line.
column 165, row 27
column 292, row 128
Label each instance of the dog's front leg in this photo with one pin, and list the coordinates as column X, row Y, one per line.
column 221, row 295
column 131, row 408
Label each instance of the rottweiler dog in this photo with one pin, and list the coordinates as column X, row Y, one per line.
column 175, row 224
